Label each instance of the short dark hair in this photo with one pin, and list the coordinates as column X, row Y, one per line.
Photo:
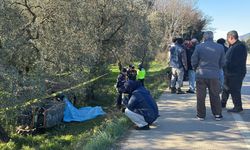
column 174, row 39
column 234, row 34
column 180, row 41
column 208, row 35
column 124, row 69
column 221, row 41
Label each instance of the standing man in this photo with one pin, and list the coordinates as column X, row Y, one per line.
column 222, row 42
column 121, row 79
column 207, row 60
column 178, row 62
column 141, row 73
column 191, row 73
column 234, row 71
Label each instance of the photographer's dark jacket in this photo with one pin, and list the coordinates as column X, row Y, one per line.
column 121, row 79
column 236, row 57
column 141, row 102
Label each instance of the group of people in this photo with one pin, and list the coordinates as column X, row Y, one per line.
column 214, row 67
column 210, row 64
column 140, row 107
column 180, row 62
column 126, row 74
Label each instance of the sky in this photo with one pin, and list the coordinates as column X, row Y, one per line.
column 227, row 15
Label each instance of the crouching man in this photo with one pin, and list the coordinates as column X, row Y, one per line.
column 141, row 108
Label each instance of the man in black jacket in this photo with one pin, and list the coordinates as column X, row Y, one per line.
column 121, row 79
column 140, row 107
column 234, row 71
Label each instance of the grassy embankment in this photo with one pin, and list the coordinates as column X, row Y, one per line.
column 99, row 133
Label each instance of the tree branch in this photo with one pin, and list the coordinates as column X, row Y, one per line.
column 114, row 33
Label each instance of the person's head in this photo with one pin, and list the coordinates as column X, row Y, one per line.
column 186, row 42
column 232, row 37
column 208, row 35
column 130, row 86
column 130, row 66
column 194, row 41
column 221, row 41
column 179, row 41
column 174, row 39
column 124, row 70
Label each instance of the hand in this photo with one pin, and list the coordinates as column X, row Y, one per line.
column 123, row 109
column 125, row 101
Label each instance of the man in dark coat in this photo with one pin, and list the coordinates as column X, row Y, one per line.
column 121, row 79
column 140, row 107
column 191, row 73
column 234, row 71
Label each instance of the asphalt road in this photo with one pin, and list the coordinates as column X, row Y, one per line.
column 177, row 128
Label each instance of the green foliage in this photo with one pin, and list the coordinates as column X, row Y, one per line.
column 105, row 138
column 100, row 131
column 80, row 39
column 51, row 45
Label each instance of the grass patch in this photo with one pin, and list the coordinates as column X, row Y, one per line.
column 99, row 133
column 105, row 137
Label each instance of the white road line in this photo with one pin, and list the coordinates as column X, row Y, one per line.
column 243, row 128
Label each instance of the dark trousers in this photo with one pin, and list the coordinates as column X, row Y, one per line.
column 119, row 100
column 142, row 81
column 232, row 85
column 213, row 86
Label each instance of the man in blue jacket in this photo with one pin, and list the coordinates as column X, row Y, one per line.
column 178, row 62
column 140, row 107
column 207, row 60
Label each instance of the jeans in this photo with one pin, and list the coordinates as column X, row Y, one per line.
column 177, row 77
column 191, row 78
column 221, row 78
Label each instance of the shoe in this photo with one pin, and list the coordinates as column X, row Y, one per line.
column 146, row 127
column 200, row 118
column 218, row 117
column 173, row 90
column 223, row 105
column 123, row 110
column 235, row 110
column 179, row 91
column 190, row 91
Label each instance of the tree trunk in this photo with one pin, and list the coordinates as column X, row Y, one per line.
column 3, row 135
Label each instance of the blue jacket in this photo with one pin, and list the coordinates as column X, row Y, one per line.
column 207, row 60
column 178, row 57
column 141, row 102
